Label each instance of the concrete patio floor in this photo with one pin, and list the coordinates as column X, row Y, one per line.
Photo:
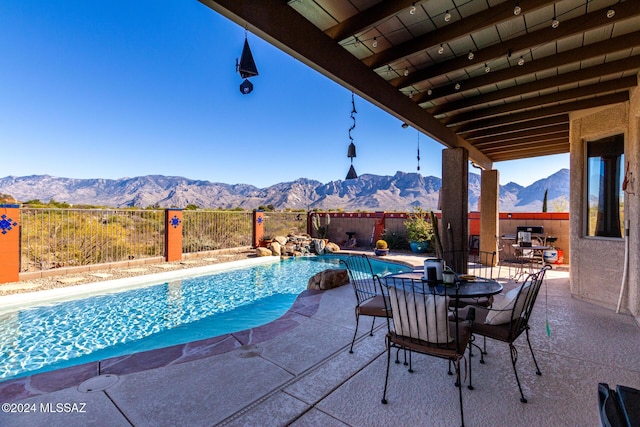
column 298, row 371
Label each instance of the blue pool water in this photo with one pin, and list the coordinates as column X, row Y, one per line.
column 70, row 333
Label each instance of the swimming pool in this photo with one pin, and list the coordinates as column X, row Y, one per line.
column 68, row 333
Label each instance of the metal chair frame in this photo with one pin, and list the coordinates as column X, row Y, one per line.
column 518, row 323
column 368, row 290
column 412, row 310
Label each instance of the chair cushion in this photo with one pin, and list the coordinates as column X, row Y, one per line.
column 374, row 307
column 503, row 332
column 425, row 319
column 452, row 350
column 503, row 305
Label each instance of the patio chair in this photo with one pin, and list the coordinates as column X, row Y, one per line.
column 423, row 324
column 467, row 261
column 508, row 318
column 477, row 263
column 366, row 285
column 523, row 260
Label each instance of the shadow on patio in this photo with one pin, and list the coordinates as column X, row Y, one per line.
column 304, row 375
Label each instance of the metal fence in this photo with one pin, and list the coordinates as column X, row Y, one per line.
column 61, row 238
column 284, row 223
column 58, row 238
column 211, row 230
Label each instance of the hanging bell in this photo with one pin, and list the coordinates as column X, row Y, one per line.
column 351, row 152
column 247, row 66
column 352, row 173
column 246, row 87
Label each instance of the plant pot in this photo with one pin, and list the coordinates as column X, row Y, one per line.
column 419, row 247
column 381, row 252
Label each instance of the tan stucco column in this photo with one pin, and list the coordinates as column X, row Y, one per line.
column 454, row 198
column 489, row 210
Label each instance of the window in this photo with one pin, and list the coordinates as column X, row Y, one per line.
column 605, row 199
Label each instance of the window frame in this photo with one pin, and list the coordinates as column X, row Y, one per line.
column 612, row 139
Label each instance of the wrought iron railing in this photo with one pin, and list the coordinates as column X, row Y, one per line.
column 59, row 238
column 207, row 230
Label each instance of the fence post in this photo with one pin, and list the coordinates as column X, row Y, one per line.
column 258, row 227
column 9, row 243
column 173, row 234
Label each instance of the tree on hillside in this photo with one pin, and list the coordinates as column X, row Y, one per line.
column 544, row 200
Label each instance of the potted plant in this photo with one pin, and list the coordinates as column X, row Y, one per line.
column 419, row 230
column 382, row 248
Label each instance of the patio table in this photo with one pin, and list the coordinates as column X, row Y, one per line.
column 477, row 288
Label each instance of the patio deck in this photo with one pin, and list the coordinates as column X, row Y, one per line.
column 298, row 371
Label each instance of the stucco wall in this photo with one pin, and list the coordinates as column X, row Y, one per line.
column 597, row 263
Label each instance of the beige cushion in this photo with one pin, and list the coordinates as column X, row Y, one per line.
column 425, row 319
column 503, row 305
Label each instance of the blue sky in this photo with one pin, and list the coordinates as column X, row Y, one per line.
column 126, row 88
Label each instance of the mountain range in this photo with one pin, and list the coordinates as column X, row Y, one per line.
column 400, row 192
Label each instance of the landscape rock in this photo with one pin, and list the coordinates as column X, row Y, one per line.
column 332, row 248
column 276, row 248
column 281, row 239
column 328, row 279
column 319, row 245
column 289, row 249
column 260, row 251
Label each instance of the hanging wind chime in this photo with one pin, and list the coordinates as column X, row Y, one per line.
column 351, row 152
column 418, row 150
column 246, row 67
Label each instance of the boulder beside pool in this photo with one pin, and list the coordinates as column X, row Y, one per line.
column 332, row 248
column 328, row 279
column 263, row 252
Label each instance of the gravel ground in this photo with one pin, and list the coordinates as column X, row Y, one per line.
column 64, row 280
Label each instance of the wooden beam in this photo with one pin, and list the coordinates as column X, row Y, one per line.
column 544, row 112
column 522, row 136
column 562, row 96
column 584, row 53
column 515, row 127
column 610, row 68
column 532, row 142
column 578, row 25
column 561, row 148
column 479, row 21
column 367, row 18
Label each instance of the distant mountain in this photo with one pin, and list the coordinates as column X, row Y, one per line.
column 399, row 192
